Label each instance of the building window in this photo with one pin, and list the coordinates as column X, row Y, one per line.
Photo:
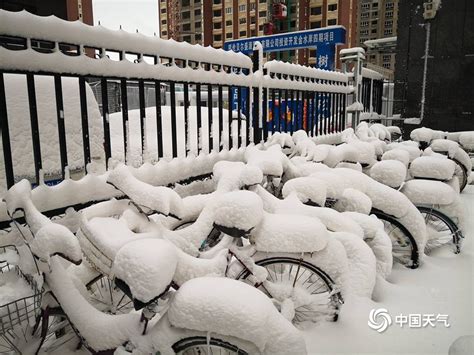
column 253, row 19
column 387, row 57
column 243, row 33
column 163, row 22
column 374, row 30
column 332, row 22
column 197, row 24
column 316, row 11
column 387, row 65
column 262, row 14
column 364, row 15
column 365, row 6
column 262, row 1
column 217, row 25
column 375, row 5
column 387, row 32
column 253, row 33
column 186, row 15
column 187, row 39
column 197, row 12
column 164, row 33
column 364, row 32
column 389, row 23
column 332, row 7
column 389, row 6
column 228, row 35
column 217, row 13
column 364, row 23
column 242, row 8
column 228, row 10
column 374, row 22
column 163, row 10
column 187, row 27
column 197, row 36
column 252, row 6
column 389, row 14
column 312, row 53
column 217, row 38
column 184, row 3
column 242, row 20
column 228, row 23
column 316, row 24
column 260, row 28
column 216, row 2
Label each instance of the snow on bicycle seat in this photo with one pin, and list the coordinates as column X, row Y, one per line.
column 245, row 313
column 102, row 237
column 309, row 190
column 159, row 199
column 427, row 192
column 445, row 146
column 146, row 268
column 289, row 233
column 231, row 175
column 433, row 168
column 270, row 161
column 389, row 172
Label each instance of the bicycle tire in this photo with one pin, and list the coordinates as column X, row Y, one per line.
column 391, row 224
column 301, row 315
column 200, row 344
column 461, row 172
column 456, row 235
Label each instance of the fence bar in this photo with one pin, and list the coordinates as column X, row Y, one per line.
column 247, row 115
column 85, row 121
column 174, row 131
column 292, row 112
column 230, row 144
column 264, row 129
column 159, row 120
column 30, row 81
column 198, row 117
column 58, row 89
column 186, row 117
column 343, row 121
column 221, row 118
column 285, row 114
column 7, row 151
column 124, row 98
column 278, row 117
column 333, row 112
column 239, row 121
column 141, row 103
column 336, row 121
column 320, row 113
column 209, row 116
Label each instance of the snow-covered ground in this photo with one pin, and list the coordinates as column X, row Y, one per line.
column 443, row 284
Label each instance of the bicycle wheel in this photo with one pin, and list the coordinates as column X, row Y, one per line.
column 56, row 331
column 107, row 297
column 461, row 173
column 404, row 248
column 201, row 345
column 441, row 229
column 310, row 288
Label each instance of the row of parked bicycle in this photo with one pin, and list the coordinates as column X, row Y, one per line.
column 236, row 262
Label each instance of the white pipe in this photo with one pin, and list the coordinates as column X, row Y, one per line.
column 425, row 70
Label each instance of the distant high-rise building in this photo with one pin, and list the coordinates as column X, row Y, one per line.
column 212, row 22
column 377, row 19
column 70, row 10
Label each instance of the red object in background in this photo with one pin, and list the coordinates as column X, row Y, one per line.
column 279, row 11
column 268, row 28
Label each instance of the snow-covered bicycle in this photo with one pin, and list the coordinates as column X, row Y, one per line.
column 204, row 315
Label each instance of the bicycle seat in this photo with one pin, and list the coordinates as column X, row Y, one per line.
column 238, row 212
column 432, row 168
column 158, row 199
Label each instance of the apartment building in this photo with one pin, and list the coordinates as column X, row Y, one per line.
column 377, row 19
column 212, row 22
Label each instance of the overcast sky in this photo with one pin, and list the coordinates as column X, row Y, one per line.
column 131, row 14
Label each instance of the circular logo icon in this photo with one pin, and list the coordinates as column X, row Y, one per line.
column 379, row 319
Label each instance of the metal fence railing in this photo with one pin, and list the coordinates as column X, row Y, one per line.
column 75, row 97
